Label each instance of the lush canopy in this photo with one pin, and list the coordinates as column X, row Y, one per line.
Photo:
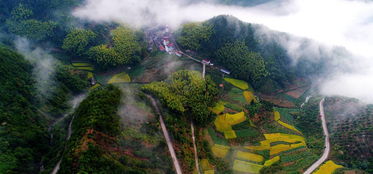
column 188, row 93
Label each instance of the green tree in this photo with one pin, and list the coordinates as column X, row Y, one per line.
column 103, row 56
column 21, row 24
column 192, row 34
column 125, row 44
column 125, row 49
column 243, row 63
column 21, row 13
column 188, row 93
column 78, row 41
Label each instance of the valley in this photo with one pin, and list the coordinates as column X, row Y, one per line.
column 212, row 96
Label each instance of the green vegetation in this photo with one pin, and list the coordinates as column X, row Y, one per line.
column 243, row 63
column 348, row 129
column 309, row 124
column 192, row 34
column 24, row 138
column 40, row 20
column 23, row 135
column 125, row 49
column 78, row 41
column 21, row 24
column 95, row 127
column 188, row 94
column 248, row 54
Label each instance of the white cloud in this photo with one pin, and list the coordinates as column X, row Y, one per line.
column 347, row 23
column 44, row 65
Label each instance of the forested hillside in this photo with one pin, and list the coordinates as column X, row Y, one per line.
column 95, row 128
column 23, row 131
column 250, row 51
column 26, row 114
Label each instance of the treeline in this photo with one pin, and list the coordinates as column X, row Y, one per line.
column 25, row 116
column 245, row 51
column 41, row 21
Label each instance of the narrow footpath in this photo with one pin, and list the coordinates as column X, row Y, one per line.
column 195, row 149
column 327, row 142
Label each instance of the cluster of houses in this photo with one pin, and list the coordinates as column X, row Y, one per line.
column 162, row 38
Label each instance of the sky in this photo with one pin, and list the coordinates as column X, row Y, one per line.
column 345, row 23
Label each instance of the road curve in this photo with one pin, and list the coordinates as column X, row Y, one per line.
column 167, row 136
column 327, row 142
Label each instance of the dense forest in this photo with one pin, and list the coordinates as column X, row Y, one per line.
column 95, row 126
column 26, row 113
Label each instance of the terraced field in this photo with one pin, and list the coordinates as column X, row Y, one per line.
column 86, row 66
column 249, row 148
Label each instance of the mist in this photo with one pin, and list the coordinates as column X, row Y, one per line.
column 44, row 65
column 328, row 23
column 129, row 110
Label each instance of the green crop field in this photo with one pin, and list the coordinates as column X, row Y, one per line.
column 86, row 68
column 250, row 132
column 80, row 64
column 215, row 138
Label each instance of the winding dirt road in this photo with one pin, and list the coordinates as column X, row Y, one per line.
column 167, row 136
column 327, row 142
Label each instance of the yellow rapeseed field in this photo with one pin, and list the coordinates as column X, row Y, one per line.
column 90, row 75
column 277, row 117
column 218, row 108
column 238, row 83
column 246, row 167
column 279, row 137
column 205, row 165
column 271, row 161
column 220, row 150
column 120, row 78
column 249, row 96
column 224, row 122
column 284, row 147
column 283, row 137
column 95, row 86
column 327, row 168
column 249, row 156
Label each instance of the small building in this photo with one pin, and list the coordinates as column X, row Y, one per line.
column 206, row 61
column 178, row 53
